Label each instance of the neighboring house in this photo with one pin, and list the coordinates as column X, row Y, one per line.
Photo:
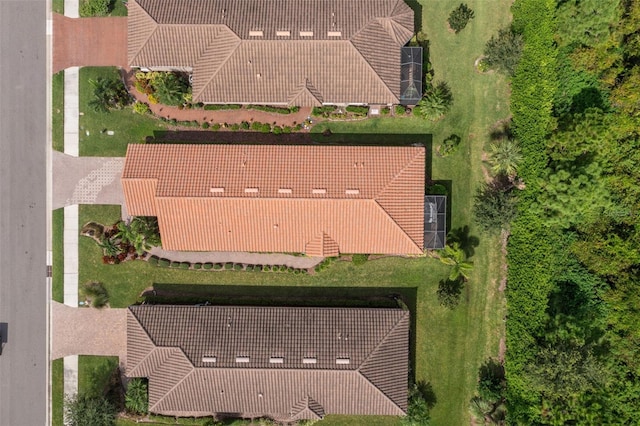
column 318, row 200
column 280, row 52
column 285, row 363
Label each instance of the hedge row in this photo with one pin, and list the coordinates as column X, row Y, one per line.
column 228, row 266
column 277, row 110
column 531, row 246
column 217, row 107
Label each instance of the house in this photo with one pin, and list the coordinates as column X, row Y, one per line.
column 279, row 52
column 285, row 363
column 318, row 200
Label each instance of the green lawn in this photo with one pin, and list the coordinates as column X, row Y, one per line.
column 57, row 111
column 57, row 392
column 57, row 6
column 127, row 126
column 57, row 291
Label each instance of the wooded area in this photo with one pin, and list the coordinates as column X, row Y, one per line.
column 573, row 327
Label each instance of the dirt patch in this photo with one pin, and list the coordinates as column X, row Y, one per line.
column 502, row 350
column 504, row 239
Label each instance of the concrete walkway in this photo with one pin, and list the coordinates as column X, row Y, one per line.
column 86, row 180
column 88, row 331
column 301, row 262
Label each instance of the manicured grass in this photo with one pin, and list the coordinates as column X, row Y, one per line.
column 57, row 6
column 94, row 373
column 57, row 111
column 57, row 392
column 57, row 291
column 127, row 126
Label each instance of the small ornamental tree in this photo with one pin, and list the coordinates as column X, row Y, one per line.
column 137, row 397
column 83, row 410
column 89, row 8
column 459, row 17
column 502, row 52
column 171, row 88
column 108, row 93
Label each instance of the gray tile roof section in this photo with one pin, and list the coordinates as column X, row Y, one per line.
column 336, row 51
column 167, row 344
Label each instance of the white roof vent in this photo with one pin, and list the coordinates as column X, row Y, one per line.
column 319, row 191
column 309, row 360
column 283, row 33
column 255, row 34
column 352, row 191
column 276, row 360
column 334, row 33
column 251, row 190
column 284, row 191
column 343, row 361
column 306, row 33
column 243, row 359
column 216, row 190
column 209, row 359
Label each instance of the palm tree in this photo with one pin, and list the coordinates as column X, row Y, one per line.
column 435, row 102
column 108, row 93
column 454, row 256
column 504, row 158
column 109, row 247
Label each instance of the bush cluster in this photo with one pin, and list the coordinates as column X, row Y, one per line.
column 228, row 266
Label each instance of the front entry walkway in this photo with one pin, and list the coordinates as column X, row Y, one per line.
column 86, row 180
column 88, row 331
column 79, row 42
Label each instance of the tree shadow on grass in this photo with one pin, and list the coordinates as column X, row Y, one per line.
column 467, row 242
column 449, row 292
column 426, row 390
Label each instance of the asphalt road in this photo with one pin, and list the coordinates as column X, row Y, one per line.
column 23, row 210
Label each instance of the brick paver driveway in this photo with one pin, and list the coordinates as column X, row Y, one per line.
column 88, row 331
column 79, row 42
column 86, row 180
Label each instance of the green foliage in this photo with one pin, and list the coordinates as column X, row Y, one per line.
column 504, row 158
column 578, row 90
column 323, row 111
column 217, row 107
column 436, row 102
column 96, row 293
column 277, row 110
column 454, row 256
column 141, row 108
column 400, row 110
column 89, row 8
column 136, row 400
column 359, row 259
column 494, row 205
column 459, row 17
column 108, row 93
column 588, row 21
column 358, row 110
column 449, row 292
column 170, row 88
column 502, row 52
column 450, row 145
column 418, row 410
column 83, row 410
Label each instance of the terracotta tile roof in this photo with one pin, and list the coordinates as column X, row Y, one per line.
column 280, row 362
column 319, row 200
column 341, row 51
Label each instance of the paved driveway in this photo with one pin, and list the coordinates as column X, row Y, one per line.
column 86, row 180
column 81, row 42
column 88, row 331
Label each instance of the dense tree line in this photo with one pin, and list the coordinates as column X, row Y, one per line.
column 573, row 328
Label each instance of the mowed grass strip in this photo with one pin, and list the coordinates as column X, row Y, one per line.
column 57, row 222
column 127, row 127
column 57, row 111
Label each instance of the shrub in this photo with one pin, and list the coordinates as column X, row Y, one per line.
column 248, row 268
column 459, row 17
column 267, row 108
column 205, row 125
column 170, row 88
column 216, row 107
column 235, row 127
column 244, row 125
column 359, row 110
column 267, row 268
column 290, row 269
column 256, row 125
column 215, row 126
column 297, row 271
column 185, row 265
column 277, row 130
column 436, row 189
column 96, row 293
column 257, row 268
column 283, row 268
column 207, row 265
column 197, row 266
column 175, row 264
column 385, row 111
column 323, row 111
column 163, row 262
column 286, row 129
column 89, row 8
column 502, row 52
column 436, row 102
column 359, row 259
column 228, row 265
column 81, row 410
column 450, row 145
column 137, row 397
column 217, row 266
column 400, row 110
column 265, row 128
column 141, row 108
column 108, row 93
column 153, row 260
column 237, row 267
